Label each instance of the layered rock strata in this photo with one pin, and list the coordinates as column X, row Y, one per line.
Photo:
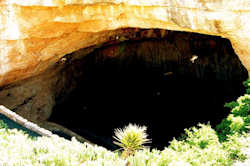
column 34, row 35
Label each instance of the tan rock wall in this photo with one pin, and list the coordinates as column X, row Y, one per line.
column 167, row 54
column 36, row 34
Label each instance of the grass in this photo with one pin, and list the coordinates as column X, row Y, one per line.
column 201, row 146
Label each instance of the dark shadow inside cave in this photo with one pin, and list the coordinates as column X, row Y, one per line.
column 167, row 85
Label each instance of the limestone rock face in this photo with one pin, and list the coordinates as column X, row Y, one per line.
column 35, row 34
column 168, row 54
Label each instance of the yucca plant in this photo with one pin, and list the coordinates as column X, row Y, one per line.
column 131, row 138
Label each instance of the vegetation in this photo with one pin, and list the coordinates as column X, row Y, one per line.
column 202, row 146
column 131, row 139
column 238, row 120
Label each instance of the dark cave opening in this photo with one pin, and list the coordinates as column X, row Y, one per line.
column 152, row 82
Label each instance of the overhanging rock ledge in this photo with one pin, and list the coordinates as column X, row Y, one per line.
column 34, row 35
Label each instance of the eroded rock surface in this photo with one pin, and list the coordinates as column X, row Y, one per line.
column 34, row 35
column 190, row 55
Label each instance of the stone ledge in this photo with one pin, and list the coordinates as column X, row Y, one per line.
column 37, row 129
column 240, row 5
column 25, row 123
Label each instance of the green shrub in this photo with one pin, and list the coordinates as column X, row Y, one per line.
column 131, row 138
column 247, row 84
column 238, row 120
column 3, row 125
column 201, row 147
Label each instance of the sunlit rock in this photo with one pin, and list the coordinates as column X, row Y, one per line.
column 35, row 34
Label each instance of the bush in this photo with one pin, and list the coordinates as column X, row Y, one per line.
column 238, row 120
column 131, row 138
column 3, row 125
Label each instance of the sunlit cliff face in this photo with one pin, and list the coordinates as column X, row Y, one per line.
column 35, row 35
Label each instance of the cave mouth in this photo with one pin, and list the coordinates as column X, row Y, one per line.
column 165, row 84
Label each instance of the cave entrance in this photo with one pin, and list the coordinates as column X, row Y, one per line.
column 165, row 84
